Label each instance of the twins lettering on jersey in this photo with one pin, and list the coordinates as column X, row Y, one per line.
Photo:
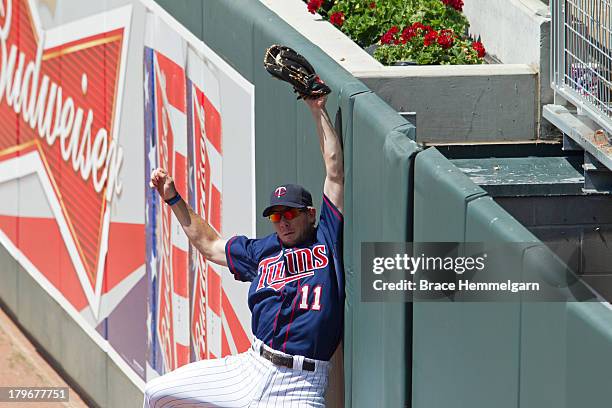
column 277, row 271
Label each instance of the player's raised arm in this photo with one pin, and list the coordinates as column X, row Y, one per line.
column 200, row 233
column 331, row 148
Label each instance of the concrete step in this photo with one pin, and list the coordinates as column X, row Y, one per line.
column 525, row 176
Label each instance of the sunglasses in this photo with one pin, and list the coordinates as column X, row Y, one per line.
column 288, row 214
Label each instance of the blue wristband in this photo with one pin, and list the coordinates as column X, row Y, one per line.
column 174, row 199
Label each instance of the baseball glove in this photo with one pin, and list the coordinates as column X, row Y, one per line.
column 289, row 66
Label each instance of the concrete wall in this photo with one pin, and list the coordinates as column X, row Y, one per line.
column 462, row 104
column 516, row 32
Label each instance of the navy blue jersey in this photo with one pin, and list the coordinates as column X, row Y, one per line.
column 296, row 295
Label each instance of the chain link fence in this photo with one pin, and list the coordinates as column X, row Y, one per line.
column 582, row 56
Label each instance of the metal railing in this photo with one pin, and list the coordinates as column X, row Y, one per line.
column 582, row 56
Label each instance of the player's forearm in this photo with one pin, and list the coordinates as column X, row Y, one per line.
column 331, row 146
column 200, row 233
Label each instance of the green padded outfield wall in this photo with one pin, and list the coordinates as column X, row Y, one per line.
column 465, row 354
column 381, row 189
column 480, row 355
column 378, row 154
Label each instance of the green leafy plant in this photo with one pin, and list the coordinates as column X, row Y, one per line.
column 367, row 22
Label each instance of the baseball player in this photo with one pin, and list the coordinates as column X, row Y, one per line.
column 296, row 295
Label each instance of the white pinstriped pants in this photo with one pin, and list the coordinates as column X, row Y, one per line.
column 243, row 380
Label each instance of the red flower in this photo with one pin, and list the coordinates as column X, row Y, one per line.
column 430, row 38
column 446, row 38
column 415, row 29
column 480, row 49
column 408, row 34
column 456, row 4
column 314, row 5
column 373, row 5
column 337, row 18
column 389, row 36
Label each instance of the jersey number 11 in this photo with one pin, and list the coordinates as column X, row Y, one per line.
column 316, row 304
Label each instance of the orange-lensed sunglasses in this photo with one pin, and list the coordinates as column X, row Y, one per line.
column 288, row 214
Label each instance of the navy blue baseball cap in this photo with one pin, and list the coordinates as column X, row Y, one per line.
column 289, row 195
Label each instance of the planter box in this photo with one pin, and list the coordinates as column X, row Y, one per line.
column 453, row 104
column 462, row 103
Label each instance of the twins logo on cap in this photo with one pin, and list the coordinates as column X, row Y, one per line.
column 280, row 191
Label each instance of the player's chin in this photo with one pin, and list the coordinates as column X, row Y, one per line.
column 289, row 239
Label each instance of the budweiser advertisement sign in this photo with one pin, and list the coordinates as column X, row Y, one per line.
column 82, row 124
column 59, row 108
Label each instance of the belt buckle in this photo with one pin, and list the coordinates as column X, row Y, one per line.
column 308, row 365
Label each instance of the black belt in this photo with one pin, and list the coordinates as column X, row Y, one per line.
column 284, row 361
